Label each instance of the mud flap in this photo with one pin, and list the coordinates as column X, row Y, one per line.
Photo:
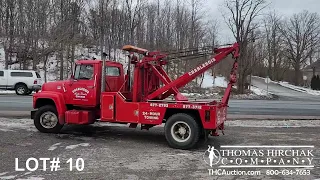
column 32, row 114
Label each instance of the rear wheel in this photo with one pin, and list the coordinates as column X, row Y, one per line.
column 21, row 89
column 46, row 120
column 182, row 131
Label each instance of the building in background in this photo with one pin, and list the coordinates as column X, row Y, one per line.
column 311, row 70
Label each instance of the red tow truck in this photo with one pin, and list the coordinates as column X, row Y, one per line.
column 99, row 90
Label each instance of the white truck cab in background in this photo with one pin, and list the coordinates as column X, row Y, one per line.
column 24, row 82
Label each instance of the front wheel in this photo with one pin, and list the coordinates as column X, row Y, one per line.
column 21, row 89
column 182, row 131
column 46, row 120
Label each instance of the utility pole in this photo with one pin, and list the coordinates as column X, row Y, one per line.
column 103, row 76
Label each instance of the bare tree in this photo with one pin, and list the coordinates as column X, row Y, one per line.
column 274, row 46
column 302, row 36
column 9, row 28
column 241, row 21
column 52, row 30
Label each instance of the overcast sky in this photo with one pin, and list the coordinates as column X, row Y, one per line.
column 283, row 7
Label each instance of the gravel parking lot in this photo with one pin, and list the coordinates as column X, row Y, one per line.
column 117, row 152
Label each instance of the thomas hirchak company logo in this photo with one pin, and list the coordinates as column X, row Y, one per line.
column 259, row 157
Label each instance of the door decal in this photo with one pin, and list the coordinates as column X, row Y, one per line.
column 80, row 93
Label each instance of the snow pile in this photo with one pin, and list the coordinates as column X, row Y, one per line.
column 207, row 95
column 210, row 81
column 11, row 124
column 7, row 92
column 220, row 82
column 253, row 96
column 313, row 92
column 207, row 81
column 258, row 91
column 300, row 89
column 191, row 94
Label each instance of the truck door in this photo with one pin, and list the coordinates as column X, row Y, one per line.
column 83, row 88
column 113, row 79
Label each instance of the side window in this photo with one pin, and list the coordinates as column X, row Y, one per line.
column 112, row 71
column 38, row 75
column 1, row 73
column 84, row 71
column 21, row 74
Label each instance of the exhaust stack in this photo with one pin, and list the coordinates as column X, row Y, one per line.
column 103, row 74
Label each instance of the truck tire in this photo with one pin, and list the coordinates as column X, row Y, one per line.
column 182, row 131
column 46, row 120
column 21, row 89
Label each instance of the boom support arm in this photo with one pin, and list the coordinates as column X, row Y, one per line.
column 189, row 76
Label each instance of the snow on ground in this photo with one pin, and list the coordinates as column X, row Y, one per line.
column 220, row 81
column 210, row 81
column 191, row 96
column 300, row 89
column 293, row 87
column 7, row 125
column 258, row 91
column 54, row 146
column 11, row 124
column 274, row 123
column 77, row 145
column 7, row 92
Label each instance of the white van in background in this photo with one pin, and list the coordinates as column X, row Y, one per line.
column 24, row 82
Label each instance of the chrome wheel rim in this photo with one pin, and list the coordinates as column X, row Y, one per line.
column 181, row 131
column 21, row 90
column 48, row 120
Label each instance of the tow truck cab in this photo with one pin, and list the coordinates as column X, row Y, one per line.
column 83, row 89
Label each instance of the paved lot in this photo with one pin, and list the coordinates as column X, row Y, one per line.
column 12, row 105
column 117, row 152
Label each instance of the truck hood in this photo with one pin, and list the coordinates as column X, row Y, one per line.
column 54, row 86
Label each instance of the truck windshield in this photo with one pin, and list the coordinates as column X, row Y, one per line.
column 84, row 71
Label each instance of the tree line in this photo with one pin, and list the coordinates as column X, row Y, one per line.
column 34, row 30
column 271, row 45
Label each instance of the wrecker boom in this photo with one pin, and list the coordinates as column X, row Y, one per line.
column 171, row 87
